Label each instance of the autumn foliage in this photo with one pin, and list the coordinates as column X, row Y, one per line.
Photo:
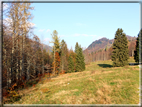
column 56, row 63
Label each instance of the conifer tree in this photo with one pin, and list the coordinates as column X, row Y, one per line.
column 56, row 50
column 64, row 57
column 82, row 59
column 73, row 54
column 138, row 46
column 70, row 64
column 80, row 64
column 76, row 47
column 120, row 49
column 78, row 58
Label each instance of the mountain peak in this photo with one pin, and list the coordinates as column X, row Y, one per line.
column 103, row 39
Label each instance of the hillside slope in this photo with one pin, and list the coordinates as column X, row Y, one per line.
column 100, row 83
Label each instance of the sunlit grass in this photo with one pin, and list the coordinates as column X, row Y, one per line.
column 100, row 83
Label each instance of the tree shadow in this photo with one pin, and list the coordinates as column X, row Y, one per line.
column 105, row 65
column 131, row 64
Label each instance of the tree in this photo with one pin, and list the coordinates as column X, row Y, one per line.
column 80, row 64
column 56, row 49
column 73, row 54
column 76, row 47
column 70, row 64
column 137, row 52
column 64, row 57
column 78, row 59
column 82, row 59
column 120, row 49
column 57, row 63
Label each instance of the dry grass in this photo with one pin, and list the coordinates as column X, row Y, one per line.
column 61, row 93
column 112, row 86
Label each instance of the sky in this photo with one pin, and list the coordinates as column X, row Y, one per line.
column 84, row 22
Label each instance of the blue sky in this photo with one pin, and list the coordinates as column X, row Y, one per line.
column 84, row 22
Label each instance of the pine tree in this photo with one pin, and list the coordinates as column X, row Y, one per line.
column 78, row 58
column 64, row 57
column 76, row 47
column 73, row 54
column 120, row 49
column 70, row 64
column 138, row 46
column 82, row 59
column 80, row 64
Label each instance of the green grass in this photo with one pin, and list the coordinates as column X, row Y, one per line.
column 100, row 83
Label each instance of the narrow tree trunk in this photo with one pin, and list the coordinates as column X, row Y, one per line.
column 42, row 61
column 28, row 73
column 21, row 50
column 23, row 57
column 54, row 62
column 132, row 52
column 7, row 75
column 12, row 54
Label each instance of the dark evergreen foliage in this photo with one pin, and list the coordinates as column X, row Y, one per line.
column 80, row 64
column 137, row 57
column 64, row 53
column 70, row 64
column 76, row 47
column 120, row 49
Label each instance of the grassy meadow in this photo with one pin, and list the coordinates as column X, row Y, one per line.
column 100, row 83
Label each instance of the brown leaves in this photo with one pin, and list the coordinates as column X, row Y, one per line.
column 56, row 63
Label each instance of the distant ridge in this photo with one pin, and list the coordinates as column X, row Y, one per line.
column 104, row 43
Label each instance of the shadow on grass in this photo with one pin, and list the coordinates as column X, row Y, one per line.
column 105, row 65
column 131, row 64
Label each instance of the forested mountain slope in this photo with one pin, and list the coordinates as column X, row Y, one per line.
column 105, row 43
